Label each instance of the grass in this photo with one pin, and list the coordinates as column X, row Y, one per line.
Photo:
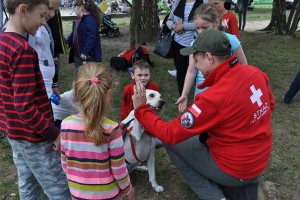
column 276, row 55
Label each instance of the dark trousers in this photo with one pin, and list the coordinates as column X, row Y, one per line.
column 181, row 63
column 204, row 177
column 294, row 88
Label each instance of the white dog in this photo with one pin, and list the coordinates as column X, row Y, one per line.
column 139, row 146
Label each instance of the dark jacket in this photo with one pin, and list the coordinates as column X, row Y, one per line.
column 88, row 39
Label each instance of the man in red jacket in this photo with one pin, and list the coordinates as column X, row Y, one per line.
column 235, row 113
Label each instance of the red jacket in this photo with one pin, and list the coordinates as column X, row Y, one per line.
column 236, row 113
column 127, row 105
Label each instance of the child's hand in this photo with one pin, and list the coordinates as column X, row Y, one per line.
column 82, row 57
column 56, row 91
column 182, row 103
column 56, row 143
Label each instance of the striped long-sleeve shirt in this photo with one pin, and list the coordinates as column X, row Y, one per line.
column 25, row 110
column 94, row 172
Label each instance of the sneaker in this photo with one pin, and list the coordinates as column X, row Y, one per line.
column 173, row 72
column 266, row 191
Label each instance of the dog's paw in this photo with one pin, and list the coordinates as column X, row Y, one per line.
column 158, row 188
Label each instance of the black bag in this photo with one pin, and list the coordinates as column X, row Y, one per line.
column 163, row 46
column 119, row 63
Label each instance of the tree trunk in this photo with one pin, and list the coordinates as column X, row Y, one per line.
column 293, row 19
column 144, row 22
column 134, row 21
column 278, row 20
column 149, row 21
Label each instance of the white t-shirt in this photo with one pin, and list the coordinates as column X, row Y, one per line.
column 66, row 107
column 41, row 44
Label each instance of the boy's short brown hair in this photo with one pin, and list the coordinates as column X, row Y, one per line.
column 11, row 5
column 140, row 64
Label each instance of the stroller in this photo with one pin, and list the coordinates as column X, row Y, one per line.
column 108, row 27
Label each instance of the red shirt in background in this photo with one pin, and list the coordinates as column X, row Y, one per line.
column 230, row 23
column 128, row 92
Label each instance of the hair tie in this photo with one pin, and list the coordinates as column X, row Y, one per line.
column 95, row 80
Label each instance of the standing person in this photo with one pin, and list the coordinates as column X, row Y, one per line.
column 92, row 148
column 73, row 7
column 43, row 44
column 229, row 20
column 294, row 88
column 236, row 113
column 242, row 8
column 140, row 72
column 206, row 17
column 84, row 40
column 62, row 4
column 55, row 24
column 181, row 23
column 26, row 115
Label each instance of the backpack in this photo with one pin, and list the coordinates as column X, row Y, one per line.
column 119, row 63
column 140, row 53
column 128, row 57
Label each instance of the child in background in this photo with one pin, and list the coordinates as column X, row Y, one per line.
column 92, row 149
column 26, row 115
column 140, row 72
column 206, row 17
column 43, row 44
column 229, row 20
column 84, row 40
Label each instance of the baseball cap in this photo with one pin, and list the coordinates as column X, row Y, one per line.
column 212, row 40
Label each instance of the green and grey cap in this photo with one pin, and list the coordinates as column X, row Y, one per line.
column 212, row 40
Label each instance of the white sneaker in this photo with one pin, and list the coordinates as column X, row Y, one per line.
column 173, row 72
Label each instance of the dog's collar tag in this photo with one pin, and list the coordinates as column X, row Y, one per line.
column 187, row 120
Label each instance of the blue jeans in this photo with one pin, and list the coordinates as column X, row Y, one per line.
column 294, row 88
column 39, row 171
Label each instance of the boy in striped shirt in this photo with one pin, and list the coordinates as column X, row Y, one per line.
column 25, row 110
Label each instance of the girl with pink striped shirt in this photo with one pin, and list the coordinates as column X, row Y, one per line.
column 92, row 149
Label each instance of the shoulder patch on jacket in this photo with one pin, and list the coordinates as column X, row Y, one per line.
column 195, row 110
column 187, row 119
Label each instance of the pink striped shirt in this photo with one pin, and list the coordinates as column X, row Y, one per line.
column 94, row 172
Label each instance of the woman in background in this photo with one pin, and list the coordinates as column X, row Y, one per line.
column 84, row 40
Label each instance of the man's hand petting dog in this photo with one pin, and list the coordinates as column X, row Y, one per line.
column 139, row 96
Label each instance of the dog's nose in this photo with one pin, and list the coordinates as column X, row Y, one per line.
column 161, row 103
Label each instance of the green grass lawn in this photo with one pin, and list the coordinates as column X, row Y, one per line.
column 276, row 55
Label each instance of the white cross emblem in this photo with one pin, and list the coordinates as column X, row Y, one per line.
column 255, row 98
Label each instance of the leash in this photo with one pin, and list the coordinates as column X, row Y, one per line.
column 125, row 132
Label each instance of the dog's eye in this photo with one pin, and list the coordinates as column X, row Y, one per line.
column 151, row 95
